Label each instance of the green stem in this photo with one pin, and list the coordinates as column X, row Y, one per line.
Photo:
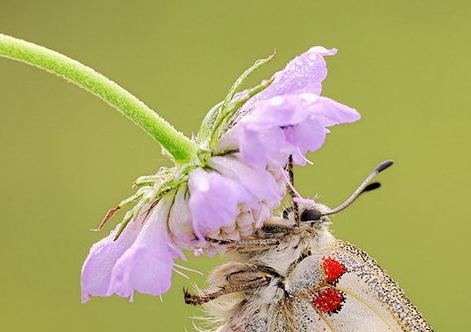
column 177, row 144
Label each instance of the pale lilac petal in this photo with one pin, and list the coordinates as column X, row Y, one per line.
column 261, row 215
column 304, row 201
column 289, row 125
column 230, row 140
column 282, row 110
column 96, row 271
column 307, row 136
column 263, row 141
column 198, row 252
column 214, row 200
column 255, row 150
column 310, row 134
column 146, row 267
column 231, row 232
column 328, row 111
column 180, row 222
column 303, row 74
column 259, row 182
column 213, row 250
column 144, row 270
column 245, row 219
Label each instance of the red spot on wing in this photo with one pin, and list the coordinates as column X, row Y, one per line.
column 333, row 269
column 328, row 301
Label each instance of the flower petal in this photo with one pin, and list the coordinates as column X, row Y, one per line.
column 214, row 200
column 282, row 110
column 307, row 136
column 180, row 222
column 97, row 268
column 328, row 111
column 289, row 125
column 259, row 182
column 303, row 74
column 304, row 201
column 255, row 150
column 146, row 267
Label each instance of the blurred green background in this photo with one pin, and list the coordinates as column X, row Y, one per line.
column 67, row 157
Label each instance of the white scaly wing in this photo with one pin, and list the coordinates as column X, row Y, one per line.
column 340, row 289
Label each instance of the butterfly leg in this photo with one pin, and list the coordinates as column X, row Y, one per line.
column 237, row 282
column 248, row 244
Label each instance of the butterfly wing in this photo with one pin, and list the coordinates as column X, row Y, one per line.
column 340, row 289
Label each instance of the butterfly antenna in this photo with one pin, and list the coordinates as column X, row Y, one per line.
column 363, row 188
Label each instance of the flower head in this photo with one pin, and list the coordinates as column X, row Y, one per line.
column 208, row 204
column 230, row 189
column 289, row 117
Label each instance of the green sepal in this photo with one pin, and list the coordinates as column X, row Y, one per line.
column 205, row 131
column 232, row 108
column 242, row 78
column 212, row 125
column 165, row 181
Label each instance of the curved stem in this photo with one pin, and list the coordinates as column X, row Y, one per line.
column 177, row 144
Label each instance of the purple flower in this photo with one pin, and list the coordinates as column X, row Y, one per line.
column 225, row 203
column 233, row 198
column 227, row 194
column 303, row 74
column 140, row 259
column 289, row 125
column 288, row 117
column 214, row 201
column 98, row 267
column 147, row 265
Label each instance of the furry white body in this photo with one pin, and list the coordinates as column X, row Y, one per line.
column 317, row 284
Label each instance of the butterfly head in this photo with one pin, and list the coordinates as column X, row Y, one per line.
column 316, row 215
column 313, row 215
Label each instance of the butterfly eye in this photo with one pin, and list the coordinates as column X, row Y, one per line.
column 310, row 215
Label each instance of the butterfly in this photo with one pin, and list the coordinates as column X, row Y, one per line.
column 293, row 275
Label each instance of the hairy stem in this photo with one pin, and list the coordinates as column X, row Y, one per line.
column 178, row 145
